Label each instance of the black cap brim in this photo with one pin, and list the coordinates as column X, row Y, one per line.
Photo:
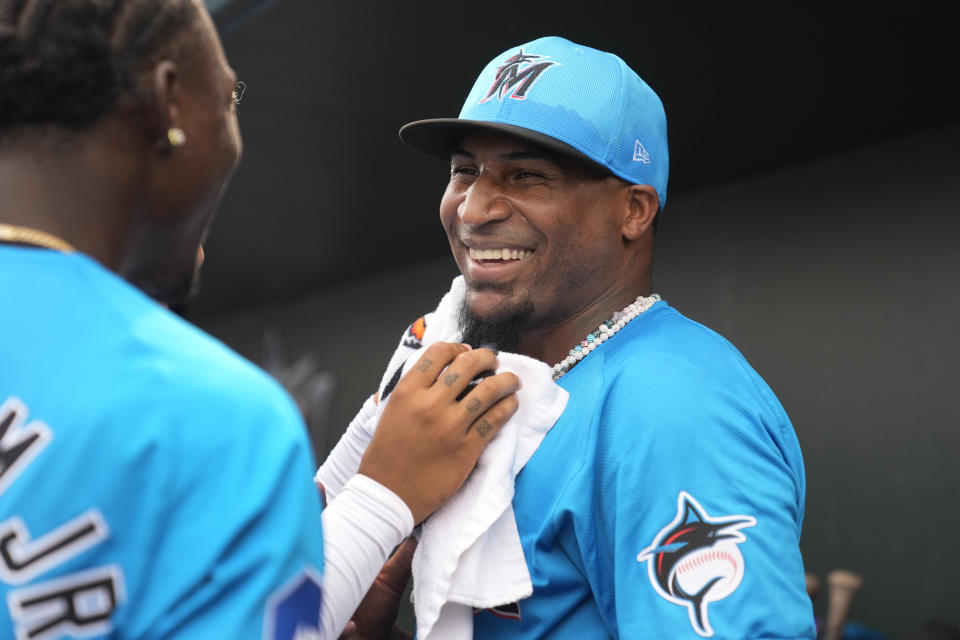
column 440, row 136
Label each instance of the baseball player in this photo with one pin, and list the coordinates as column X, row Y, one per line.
column 667, row 501
column 153, row 484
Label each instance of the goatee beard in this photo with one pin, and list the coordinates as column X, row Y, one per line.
column 497, row 333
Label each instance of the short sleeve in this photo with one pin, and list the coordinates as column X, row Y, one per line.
column 241, row 552
column 698, row 493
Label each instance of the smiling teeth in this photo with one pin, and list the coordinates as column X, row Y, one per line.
column 498, row 254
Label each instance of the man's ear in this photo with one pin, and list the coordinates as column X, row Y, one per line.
column 163, row 102
column 642, row 206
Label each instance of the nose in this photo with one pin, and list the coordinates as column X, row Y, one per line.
column 484, row 203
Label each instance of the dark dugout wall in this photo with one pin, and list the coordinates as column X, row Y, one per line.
column 838, row 280
column 326, row 191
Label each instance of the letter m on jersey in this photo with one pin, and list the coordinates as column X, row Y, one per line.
column 20, row 442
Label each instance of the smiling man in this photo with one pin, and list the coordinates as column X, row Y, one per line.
column 535, row 279
column 668, row 499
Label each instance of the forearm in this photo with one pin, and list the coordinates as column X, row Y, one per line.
column 344, row 460
column 361, row 527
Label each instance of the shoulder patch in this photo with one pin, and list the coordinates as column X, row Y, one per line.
column 293, row 610
column 695, row 559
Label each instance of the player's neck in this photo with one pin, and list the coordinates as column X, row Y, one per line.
column 553, row 344
column 67, row 197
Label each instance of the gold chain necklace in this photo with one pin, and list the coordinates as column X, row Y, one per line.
column 35, row 237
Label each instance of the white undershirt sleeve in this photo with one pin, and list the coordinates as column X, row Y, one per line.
column 342, row 463
column 361, row 528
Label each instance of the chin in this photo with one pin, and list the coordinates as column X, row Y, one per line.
column 492, row 302
column 173, row 293
column 179, row 297
column 495, row 326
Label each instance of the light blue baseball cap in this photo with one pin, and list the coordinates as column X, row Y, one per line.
column 566, row 97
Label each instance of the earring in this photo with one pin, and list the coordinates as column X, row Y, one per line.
column 176, row 137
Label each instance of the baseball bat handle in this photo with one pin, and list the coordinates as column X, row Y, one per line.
column 843, row 586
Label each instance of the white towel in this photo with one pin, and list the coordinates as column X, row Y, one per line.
column 470, row 553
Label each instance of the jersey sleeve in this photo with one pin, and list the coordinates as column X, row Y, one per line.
column 241, row 552
column 699, row 499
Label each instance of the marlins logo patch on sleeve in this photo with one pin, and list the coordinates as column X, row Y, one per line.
column 695, row 559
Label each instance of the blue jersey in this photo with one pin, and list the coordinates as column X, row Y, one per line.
column 153, row 484
column 666, row 502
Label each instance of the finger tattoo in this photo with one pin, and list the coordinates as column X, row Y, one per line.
column 450, row 378
column 424, row 364
column 484, row 428
column 473, row 405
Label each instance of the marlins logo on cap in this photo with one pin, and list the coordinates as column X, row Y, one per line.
column 516, row 76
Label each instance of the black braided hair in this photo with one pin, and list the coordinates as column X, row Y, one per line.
column 65, row 63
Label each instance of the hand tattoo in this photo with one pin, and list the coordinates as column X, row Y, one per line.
column 484, row 428
column 449, row 379
column 424, row 364
column 473, row 405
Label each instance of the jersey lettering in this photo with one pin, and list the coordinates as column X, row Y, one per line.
column 19, row 443
column 22, row 559
column 79, row 604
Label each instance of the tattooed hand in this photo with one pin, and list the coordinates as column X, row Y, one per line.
column 428, row 439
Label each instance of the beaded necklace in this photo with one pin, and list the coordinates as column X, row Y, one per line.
column 34, row 237
column 604, row 332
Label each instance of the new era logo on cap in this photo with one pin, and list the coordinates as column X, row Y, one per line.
column 640, row 153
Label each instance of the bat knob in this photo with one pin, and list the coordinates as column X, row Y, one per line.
column 843, row 579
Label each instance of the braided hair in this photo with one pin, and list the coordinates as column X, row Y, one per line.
column 65, row 63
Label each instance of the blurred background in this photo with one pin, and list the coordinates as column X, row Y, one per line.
column 813, row 219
